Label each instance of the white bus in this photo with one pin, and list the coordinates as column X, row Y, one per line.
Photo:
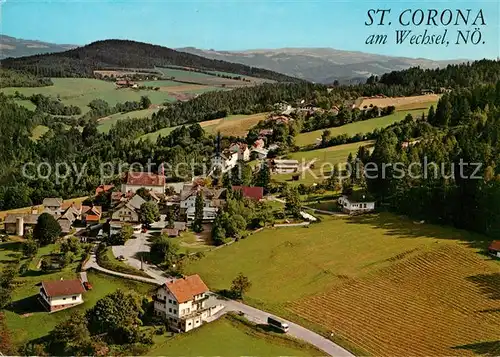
column 282, row 326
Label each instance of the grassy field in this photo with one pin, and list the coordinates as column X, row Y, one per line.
column 236, row 125
column 81, row 91
column 362, row 127
column 400, row 102
column 26, row 103
column 363, row 273
column 28, row 320
column 106, row 123
column 38, row 132
column 325, row 159
column 166, row 131
column 205, row 79
column 229, row 337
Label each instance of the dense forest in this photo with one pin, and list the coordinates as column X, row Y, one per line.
column 9, row 78
column 455, row 178
column 82, row 61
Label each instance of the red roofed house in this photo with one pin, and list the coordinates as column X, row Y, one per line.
column 494, row 248
column 184, row 303
column 103, row 188
column 61, row 294
column 148, row 180
column 254, row 193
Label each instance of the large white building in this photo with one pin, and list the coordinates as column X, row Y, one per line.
column 183, row 303
column 350, row 206
column 148, row 180
column 61, row 294
column 212, row 201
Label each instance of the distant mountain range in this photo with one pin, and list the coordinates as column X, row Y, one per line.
column 15, row 47
column 321, row 65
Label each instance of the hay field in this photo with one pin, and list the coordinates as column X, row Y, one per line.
column 441, row 302
column 399, row 101
column 236, row 125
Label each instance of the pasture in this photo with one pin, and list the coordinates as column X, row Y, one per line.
column 38, row 132
column 187, row 76
column 106, row 123
column 324, row 160
column 229, row 337
column 360, row 127
column 166, row 131
column 81, row 91
column 370, row 279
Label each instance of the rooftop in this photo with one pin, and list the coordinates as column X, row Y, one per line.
column 495, row 245
column 145, row 179
column 63, row 287
column 255, row 193
column 186, row 288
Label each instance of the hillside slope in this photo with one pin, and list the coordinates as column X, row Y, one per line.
column 321, row 65
column 82, row 61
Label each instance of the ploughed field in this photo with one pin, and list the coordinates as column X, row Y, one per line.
column 383, row 284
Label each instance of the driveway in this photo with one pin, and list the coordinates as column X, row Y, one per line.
column 132, row 251
column 297, row 331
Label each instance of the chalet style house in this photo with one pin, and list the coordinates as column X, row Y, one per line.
column 61, row 294
column 183, row 303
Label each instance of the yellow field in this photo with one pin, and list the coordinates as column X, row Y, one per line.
column 399, row 102
column 236, row 125
column 442, row 302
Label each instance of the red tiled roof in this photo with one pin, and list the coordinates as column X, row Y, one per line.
column 186, row 288
column 63, row 287
column 92, row 218
column 103, row 188
column 145, row 179
column 255, row 193
column 495, row 245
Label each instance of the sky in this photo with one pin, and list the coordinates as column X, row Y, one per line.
column 252, row 24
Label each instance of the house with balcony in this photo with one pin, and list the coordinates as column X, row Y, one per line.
column 184, row 303
column 58, row 295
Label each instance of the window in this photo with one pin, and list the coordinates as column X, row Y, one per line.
column 174, row 302
column 170, row 310
column 64, row 298
column 74, row 297
column 169, row 301
column 189, row 324
column 175, row 311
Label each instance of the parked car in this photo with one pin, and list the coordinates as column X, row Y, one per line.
column 87, row 285
column 121, row 258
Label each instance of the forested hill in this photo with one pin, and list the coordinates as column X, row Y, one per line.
column 82, row 61
column 453, row 76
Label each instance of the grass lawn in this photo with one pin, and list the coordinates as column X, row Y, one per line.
column 229, row 337
column 352, row 264
column 189, row 243
column 81, row 91
column 159, row 83
column 26, row 103
column 325, row 159
column 28, row 320
column 38, row 132
column 106, row 123
column 362, row 127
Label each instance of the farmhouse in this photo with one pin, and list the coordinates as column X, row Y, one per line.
column 284, row 166
column 52, row 205
column 61, row 294
column 19, row 223
column 128, row 211
column 351, row 206
column 103, row 189
column 148, row 180
column 494, row 248
column 183, row 303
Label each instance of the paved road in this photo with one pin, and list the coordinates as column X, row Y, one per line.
column 133, row 248
column 297, row 331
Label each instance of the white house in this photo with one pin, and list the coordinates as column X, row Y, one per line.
column 261, row 153
column 225, row 162
column 350, row 206
column 61, row 294
column 212, row 200
column 183, row 303
column 285, row 166
column 242, row 151
column 148, row 180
